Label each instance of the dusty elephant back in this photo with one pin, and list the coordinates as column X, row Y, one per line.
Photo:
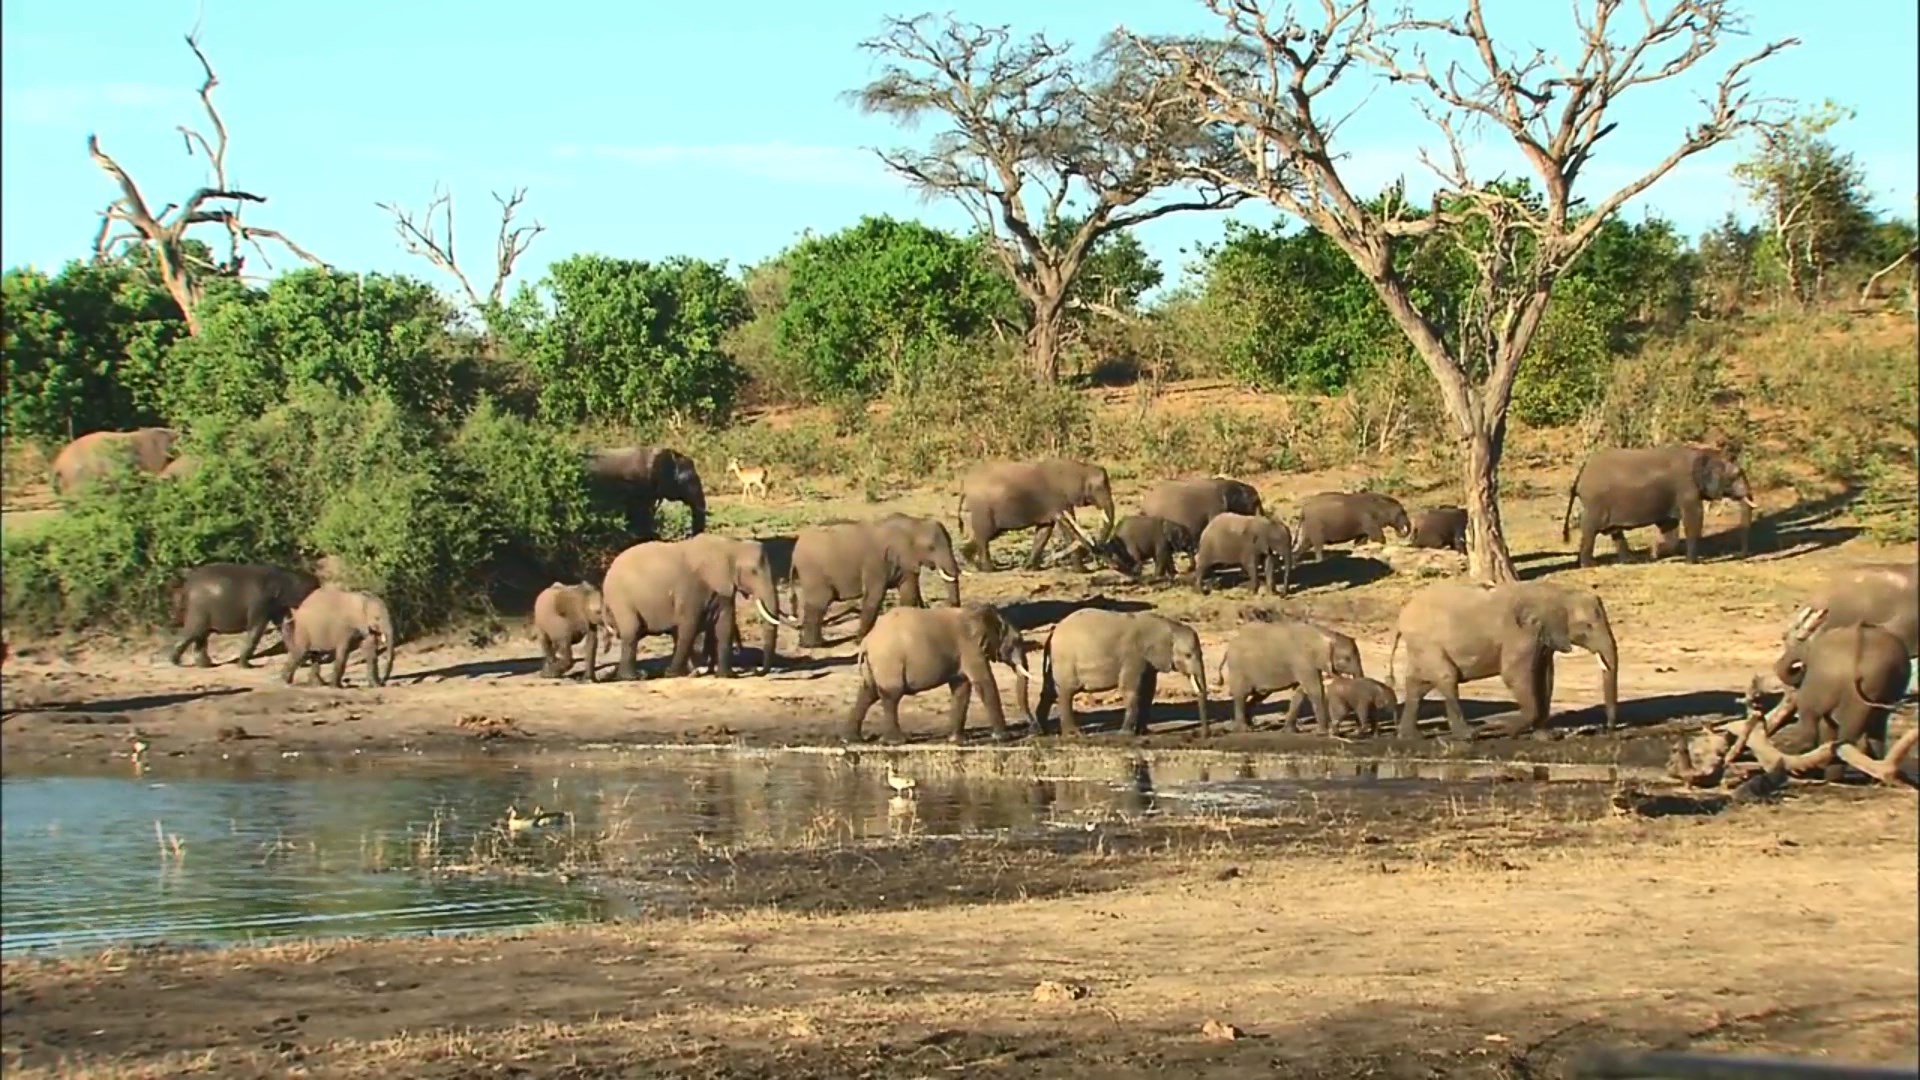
column 1436, row 608
column 93, row 455
column 1230, row 532
column 1883, row 594
column 1191, row 503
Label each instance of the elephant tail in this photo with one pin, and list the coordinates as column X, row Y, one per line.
column 1392, row 653
column 862, row 669
column 1566, row 518
column 960, row 515
column 1220, row 673
column 1859, row 682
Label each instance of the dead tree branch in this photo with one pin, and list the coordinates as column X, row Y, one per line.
column 165, row 233
column 433, row 242
column 1270, row 88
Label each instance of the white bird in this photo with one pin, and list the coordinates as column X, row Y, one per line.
column 901, row 784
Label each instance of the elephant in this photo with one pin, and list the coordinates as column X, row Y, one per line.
column 227, row 598
column 1254, row 542
column 686, row 587
column 640, row 477
column 1005, row 496
column 333, row 619
column 1193, row 502
column 562, row 615
column 1844, row 680
column 1140, row 539
column 862, row 560
column 1096, row 649
column 1363, row 699
column 1457, row 632
column 911, row 650
column 94, row 455
column 1667, row 487
column 1441, row 527
column 1335, row 517
column 1287, row 654
column 183, row 465
column 1884, row 594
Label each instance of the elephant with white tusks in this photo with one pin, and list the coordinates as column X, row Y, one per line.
column 1095, row 649
column 912, row 650
column 332, row 619
column 1457, row 632
column 1667, row 487
column 1006, row 496
column 861, row 560
column 686, row 588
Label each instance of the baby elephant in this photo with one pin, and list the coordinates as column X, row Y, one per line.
column 1441, row 527
column 1845, row 680
column 332, row 619
column 562, row 616
column 1253, row 542
column 1143, row 538
column 227, row 598
column 1361, row 699
column 1335, row 517
column 1288, row 654
column 1096, row 649
column 911, row 650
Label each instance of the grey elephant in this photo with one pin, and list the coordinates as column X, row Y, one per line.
column 1005, row 496
column 1142, row 539
column 1442, row 527
column 861, row 560
column 565, row 615
column 1667, row 487
column 686, row 588
column 1363, row 700
column 1845, row 680
column 228, row 598
column 911, row 650
column 98, row 453
column 1335, row 517
column 1285, row 654
column 1458, row 632
column 333, row 619
column 1095, row 649
column 1255, row 543
column 638, row 478
column 1193, row 502
column 1886, row 595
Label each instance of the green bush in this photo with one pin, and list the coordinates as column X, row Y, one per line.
column 1566, row 369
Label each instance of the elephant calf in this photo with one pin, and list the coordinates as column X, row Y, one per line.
column 1443, row 527
column 227, row 598
column 1335, row 517
column 911, row 650
column 332, row 619
column 1845, row 680
column 1291, row 654
column 1363, row 700
column 1140, row 539
column 562, row 616
column 1095, row 649
column 1254, row 542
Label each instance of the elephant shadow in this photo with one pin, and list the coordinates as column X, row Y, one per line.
column 1349, row 571
column 1162, row 717
column 1803, row 528
column 1030, row 615
column 137, row 703
column 1634, row 712
column 480, row 669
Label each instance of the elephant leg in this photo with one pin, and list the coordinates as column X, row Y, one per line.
column 1315, row 689
column 370, row 652
column 909, row 590
column 862, row 704
column 1588, row 533
column 1250, row 566
column 1069, row 723
column 980, row 677
column 341, row 654
column 870, row 600
column 562, row 658
column 813, row 615
column 296, row 655
column 1692, row 525
column 1241, row 721
column 890, row 718
column 593, row 654
column 1521, row 674
column 720, row 632
column 1200, row 571
column 1041, row 537
column 1667, row 542
column 962, row 690
column 1163, row 561
column 685, row 634
column 1133, row 718
column 1447, row 681
column 256, row 627
column 1622, row 551
column 980, row 523
column 1293, row 710
column 628, row 666
column 1541, row 731
column 1411, row 695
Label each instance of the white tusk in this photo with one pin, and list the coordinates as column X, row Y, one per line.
column 1198, row 690
column 1022, row 669
column 1601, row 660
column 1748, row 502
column 944, row 576
column 765, row 614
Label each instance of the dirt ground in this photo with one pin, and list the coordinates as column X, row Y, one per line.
column 1496, row 947
column 1690, row 639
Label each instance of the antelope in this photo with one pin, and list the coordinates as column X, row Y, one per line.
column 751, row 480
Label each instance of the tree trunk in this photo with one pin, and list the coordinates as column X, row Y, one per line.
column 1043, row 347
column 1487, row 556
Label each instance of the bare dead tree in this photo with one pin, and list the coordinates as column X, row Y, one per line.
column 165, row 232
column 433, row 242
column 1047, row 155
column 1269, row 85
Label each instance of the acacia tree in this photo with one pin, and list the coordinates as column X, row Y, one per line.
column 422, row 236
column 184, row 266
column 1269, row 84
column 1046, row 154
column 1813, row 195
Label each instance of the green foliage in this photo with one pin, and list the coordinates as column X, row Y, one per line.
column 530, row 489
column 1814, row 199
column 625, row 340
column 352, row 333
column 873, row 306
column 83, row 349
column 1566, row 368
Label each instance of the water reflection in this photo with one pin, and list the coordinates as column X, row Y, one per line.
column 361, row 846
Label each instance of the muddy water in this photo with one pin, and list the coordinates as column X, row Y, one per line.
column 380, row 846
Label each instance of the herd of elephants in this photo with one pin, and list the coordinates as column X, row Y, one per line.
column 1847, row 656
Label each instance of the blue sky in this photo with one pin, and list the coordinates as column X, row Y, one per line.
column 647, row 129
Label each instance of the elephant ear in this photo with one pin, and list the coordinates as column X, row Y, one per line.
column 1712, row 473
column 1543, row 621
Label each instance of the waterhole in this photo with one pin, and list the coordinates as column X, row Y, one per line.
column 364, row 846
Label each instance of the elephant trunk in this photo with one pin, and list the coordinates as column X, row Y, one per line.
column 696, row 508
column 1196, row 672
column 386, row 635
column 1609, row 679
column 1021, row 676
column 948, row 568
column 1746, row 526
